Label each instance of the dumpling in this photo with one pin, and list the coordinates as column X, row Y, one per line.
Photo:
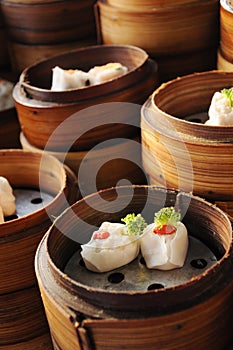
column 164, row 243
column 113, row 245
column 221, row 108
column 7, row 199
column 101, row 74
column 68, row 79
column 6, row 99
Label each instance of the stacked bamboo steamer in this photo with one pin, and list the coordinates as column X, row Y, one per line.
column 225, row 52
column 39, row 29
column 41, row 195
column 182, row 36
column 4, row 54
column 178, row 149
column 98, row 125
column 127, row 308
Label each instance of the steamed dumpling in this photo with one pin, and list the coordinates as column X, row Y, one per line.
column 74, row 78
column 101, row 74
column 221, row 108
column 68, row 79
column 110, row 247
column 164, row 244
column 114, row 244
column 7, row 198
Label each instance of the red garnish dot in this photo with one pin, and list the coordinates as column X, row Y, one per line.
column 101, row 235
column 165, row 230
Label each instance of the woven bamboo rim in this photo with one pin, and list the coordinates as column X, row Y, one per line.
column 158, row 30
column 36, row 79
column 20, row 237
column 117, row 102
column 23, row 55
column 103, row 324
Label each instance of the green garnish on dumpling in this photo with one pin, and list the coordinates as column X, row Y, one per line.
column 167, row 216
column 229, row 95
column 135, row 224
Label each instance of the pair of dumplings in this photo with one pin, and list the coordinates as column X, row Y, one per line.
column 163, row 244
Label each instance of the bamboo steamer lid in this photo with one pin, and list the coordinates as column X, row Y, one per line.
column 179, row 150
column 160, row 31
column 190, row 315
column 20, row 235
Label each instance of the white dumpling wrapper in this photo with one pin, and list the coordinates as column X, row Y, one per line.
column 164, row 252
column 220, row 112
column 7, row 198
column 119, row 249
column 68, row 79
column 101, row 74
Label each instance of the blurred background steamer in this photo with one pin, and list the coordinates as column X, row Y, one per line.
column 182, row 36
column 40, row 29
column 4, row 54
column 225, row 52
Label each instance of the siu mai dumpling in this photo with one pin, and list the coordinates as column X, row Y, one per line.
column 101, row 74
column 114, row 244
column 7, row 199
column 221, row 108
column 68, row 79
column 164, row 243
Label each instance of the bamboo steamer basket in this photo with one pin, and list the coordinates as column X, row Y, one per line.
column 42, row 111
column 137, row 4
column 24, row 55
column 9, row 124
column 226, row 29
column 23, row 322
column 42, row 342
column 49, row 22
column 224, row 64
column 160, row 31
column 21, row 233
column 102, row 314
column 9, row 129
column 178, row 150
column 124, row 163
column 173, row 66
column 4, row 54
